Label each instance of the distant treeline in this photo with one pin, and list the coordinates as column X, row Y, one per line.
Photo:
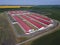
column 9, row 9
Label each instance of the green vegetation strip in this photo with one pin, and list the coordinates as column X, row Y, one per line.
column 18, row 29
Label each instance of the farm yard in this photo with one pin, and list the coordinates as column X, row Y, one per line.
column 29, row 22
column 35, row 18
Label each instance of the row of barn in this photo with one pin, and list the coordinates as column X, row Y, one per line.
column 38, row 21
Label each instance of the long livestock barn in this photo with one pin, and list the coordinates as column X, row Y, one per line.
column 30, row 22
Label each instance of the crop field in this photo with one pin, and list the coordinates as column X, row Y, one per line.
column 6, row 35
column 13, row 6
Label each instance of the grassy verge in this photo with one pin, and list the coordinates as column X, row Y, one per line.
column 18, row 29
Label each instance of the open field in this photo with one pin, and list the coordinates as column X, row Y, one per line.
column 13, row 6
column 6, row 35
column 9, row 6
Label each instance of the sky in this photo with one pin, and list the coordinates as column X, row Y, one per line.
column 29, row 2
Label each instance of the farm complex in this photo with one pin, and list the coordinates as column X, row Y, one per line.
column 29, row 22
column 36, row 25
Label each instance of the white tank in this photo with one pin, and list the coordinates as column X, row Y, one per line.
column 42, row 28
column 50, row 25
